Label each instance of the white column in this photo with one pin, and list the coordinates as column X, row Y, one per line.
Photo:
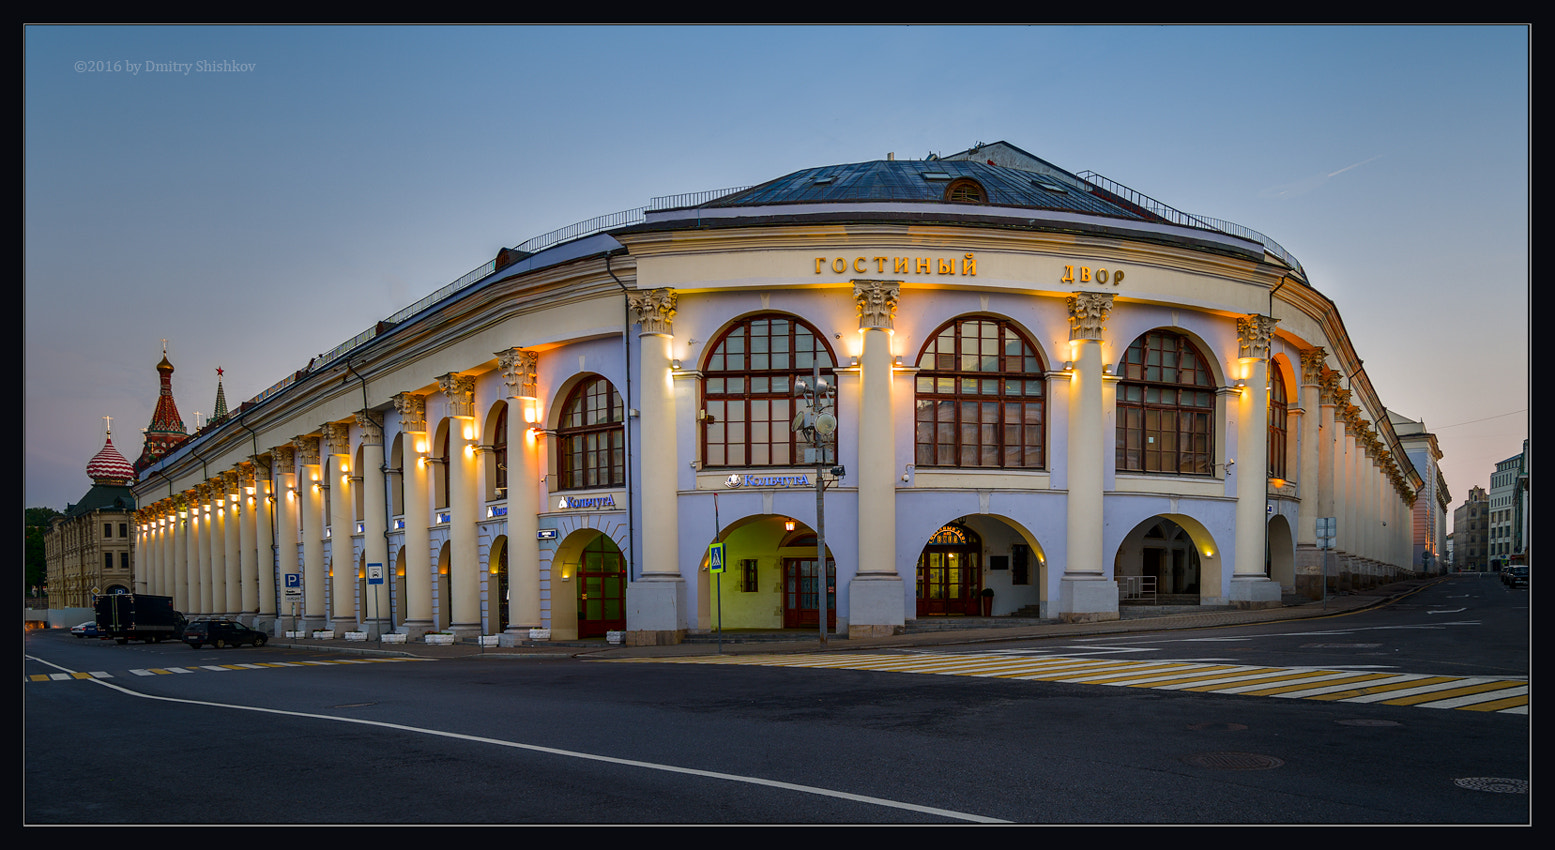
column 523, row 477
column 1250, row 588
column 463, row 506
column 311, row 528
column 248, row 557
column 375, row 510
column 418, row 541
column 876, row 595
column 1085, row 592
column 231, row 521
column 264, row 511
column 656, row 601
column 336, row 443
column 288, row 518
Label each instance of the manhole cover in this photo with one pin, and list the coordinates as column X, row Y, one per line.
column 1493, row 784
column 1365, row 722
column 1233, row 761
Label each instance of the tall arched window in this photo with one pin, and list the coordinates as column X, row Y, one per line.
column 748, row 390
column 499, row 454
column 980, row 400
column 1166, row 407
column 592, row 440
column 1277, row 411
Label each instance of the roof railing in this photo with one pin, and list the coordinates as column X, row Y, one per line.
column 1176, row 216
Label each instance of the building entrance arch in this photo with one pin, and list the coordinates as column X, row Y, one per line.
column 950, row 573
column 1280, row 561
column 591, row 564
column 980, row 565
column 770, row 578
column 1169, row 556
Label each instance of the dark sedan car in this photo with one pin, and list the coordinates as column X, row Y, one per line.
column 222, row 633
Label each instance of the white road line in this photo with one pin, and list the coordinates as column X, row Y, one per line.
column 1475, row 699
column 709, row 774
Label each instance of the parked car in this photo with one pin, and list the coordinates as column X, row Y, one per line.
column 87, row 629
column 222, row 633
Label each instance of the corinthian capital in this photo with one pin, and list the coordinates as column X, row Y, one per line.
column 876, row 300
column 1253, row 334
column 655, row 310
column 1088, row 314
column 336, row 437
column 1314, row 363
column 307, row 450
column 460, row 390
column 519, row 372
column 372, row 433
column 412, row 409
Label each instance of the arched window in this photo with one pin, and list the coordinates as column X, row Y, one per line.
column 1166, row 407
column 593, row 442
column 1277, row 410
column 748, row 390
column 980, row 399
column 499, row 454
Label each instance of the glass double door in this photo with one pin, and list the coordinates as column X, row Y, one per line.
column 601, row 589
column 950, row 581
column 801, row 594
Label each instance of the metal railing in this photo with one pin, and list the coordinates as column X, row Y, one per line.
column 1176, row 216
column 1136, row 589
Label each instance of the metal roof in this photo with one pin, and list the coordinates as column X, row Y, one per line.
column 925, row 181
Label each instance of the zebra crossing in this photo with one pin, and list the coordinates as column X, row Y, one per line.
column 210, row 668
column 1463, row 693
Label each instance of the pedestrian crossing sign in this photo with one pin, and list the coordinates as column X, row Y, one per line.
column 715, row 558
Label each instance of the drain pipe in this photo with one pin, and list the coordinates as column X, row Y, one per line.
column 626, row 423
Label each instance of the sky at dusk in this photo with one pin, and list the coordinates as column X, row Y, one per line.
column 258, row 195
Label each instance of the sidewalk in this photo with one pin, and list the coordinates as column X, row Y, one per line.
column 1133, row 619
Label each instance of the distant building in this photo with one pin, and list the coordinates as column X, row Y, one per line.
column 1471, row 532
column 1433, row 503
column 90, row 548
column 1506, row 512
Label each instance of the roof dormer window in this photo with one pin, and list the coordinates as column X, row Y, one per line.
column 965, row 190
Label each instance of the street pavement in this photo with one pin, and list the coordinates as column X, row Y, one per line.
column 976, row 631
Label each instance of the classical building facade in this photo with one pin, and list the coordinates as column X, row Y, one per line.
column 90, row 548
column 986, row 383
column 1433, row 503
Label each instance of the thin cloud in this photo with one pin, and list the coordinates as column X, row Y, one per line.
column 1301, row 187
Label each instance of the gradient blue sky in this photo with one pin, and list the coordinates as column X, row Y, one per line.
column 255, row 218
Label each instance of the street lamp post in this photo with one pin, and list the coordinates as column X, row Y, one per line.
column 816, row 424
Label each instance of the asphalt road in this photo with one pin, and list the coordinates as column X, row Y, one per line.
column 168, row 735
